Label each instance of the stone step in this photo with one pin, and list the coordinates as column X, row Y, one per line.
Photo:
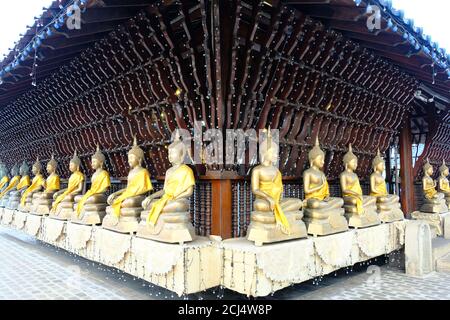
column 443, row 264
column 441, row 249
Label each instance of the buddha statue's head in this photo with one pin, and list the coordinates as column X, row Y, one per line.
column 75, row 163
column 268, row 149
column 443, row 169
column 177, row 150
column 316, row 156
column 36, row 168
column 135, row 155
column 98, row 159
column 52, row 165
column 24, row 169
column 350, row 159
column 378, row 163
column 428, row 168
column 15, row 171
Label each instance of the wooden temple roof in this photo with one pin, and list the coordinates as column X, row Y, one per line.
column 308, row 68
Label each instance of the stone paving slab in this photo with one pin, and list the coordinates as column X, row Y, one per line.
column 31, row 269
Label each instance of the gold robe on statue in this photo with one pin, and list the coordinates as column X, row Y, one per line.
column 356, row 188
column 274, row 189
column 380, row 190
column 52, row 183
column 75, row 180
column 180, row 181
column 321, row 194
column 37, row 182
column 12, row 184
column 445, row 186
column 24, row 182
column 99, row 185
column 430, row 193
column 140, row 184
column 3, row 182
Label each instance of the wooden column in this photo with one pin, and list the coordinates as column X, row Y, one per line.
column 406, row 169
column 221, row 208
column 387, row 163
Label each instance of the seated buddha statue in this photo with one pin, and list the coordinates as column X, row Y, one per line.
column 36, row 186
column 4, row 179
column 24, row 183
column 434, row 202
column 64, row 199
column 360, row 210
column 388, row 205
column 42, row 201
column 124, row 208
column 4, row 195
column 273, row 218
column 324, row 215
column 90, row 208
column 444, row 185
column 166, row 215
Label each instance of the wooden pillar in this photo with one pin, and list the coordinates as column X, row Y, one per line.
column 387, row 163
column 406, row 169
column 221, row 208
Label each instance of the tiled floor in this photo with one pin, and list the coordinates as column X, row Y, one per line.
column 30, row 269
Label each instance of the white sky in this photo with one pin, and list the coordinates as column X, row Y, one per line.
column 432, row 15
column 14, row 17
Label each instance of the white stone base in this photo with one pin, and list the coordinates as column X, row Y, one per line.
column 435, row 220
column 205, row 263
column 183, row 269
column 260, row 271
column 7, row 217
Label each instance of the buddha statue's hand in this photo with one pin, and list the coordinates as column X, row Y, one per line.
column 146, row 202
column 113, row 196
column 58, row 193
column 271, row 203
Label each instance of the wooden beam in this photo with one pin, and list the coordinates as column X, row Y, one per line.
column 406, row 169
column 221, row 208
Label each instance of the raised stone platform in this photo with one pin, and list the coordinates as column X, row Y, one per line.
column 183, row 269
column 435, row 220
column 205, row 263
column 259, row 271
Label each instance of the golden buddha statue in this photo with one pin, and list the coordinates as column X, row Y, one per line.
column 444, row 185
column 125, row 205
column 360, row 210
column 36, row 185
column 4, row 195
column 90, row 208
column 166, row 215
column 4, row 179
column 324, row 215
column 62, row 206
column 388, row 205
column 24, row 183
column 42, row 201
column 434, row 202
column 273, row 218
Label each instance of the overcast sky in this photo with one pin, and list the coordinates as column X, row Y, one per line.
column 14, row 17
column 432, row 15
